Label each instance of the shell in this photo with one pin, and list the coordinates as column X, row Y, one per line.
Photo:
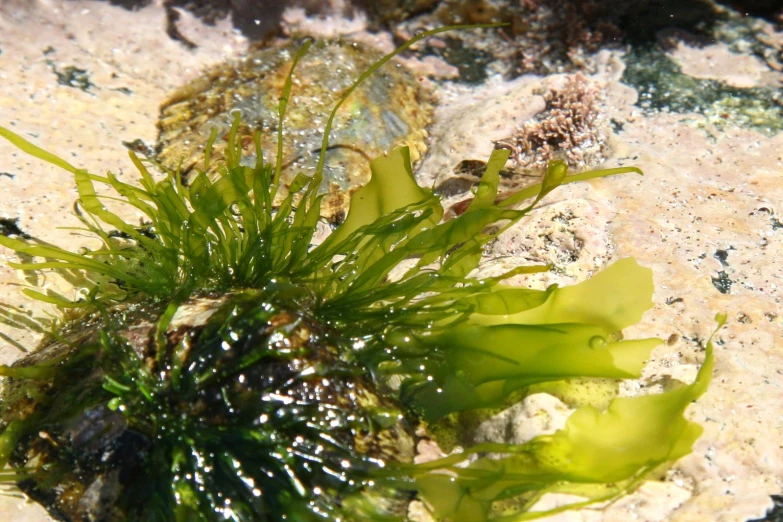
column 388, row 110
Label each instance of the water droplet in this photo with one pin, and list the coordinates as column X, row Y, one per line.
column 596, row 342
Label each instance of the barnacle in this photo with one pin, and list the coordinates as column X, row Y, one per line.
column 224, row 366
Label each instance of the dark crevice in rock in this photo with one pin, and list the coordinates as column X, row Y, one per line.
column 10, row 227
column 775, row 513
column 771, row 10
column 256, row 19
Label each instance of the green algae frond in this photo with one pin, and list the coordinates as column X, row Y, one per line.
column 386, row 302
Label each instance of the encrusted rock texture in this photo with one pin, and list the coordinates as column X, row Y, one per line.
column 80, row 77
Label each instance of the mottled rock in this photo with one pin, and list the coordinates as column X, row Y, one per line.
column 388, row 110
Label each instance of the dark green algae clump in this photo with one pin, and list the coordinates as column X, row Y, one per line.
column 224, row 366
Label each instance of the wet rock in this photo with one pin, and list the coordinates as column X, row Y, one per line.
column 236, row 379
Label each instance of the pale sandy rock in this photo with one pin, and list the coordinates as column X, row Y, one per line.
column 433, row 67
column 470, row 119
column 418, row 511
column 703, row 191
column 133, row 66
column 296, row 21
column 427, row 451
column 538, row 414
column 220, row 39
column 556, row 500
column 84, row 127
column 654, row 500
column 571, row 236
column 717, row 62
column 699, row 197
column 195, row 312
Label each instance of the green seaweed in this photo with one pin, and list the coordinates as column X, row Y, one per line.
column 387, row 298
column 597, row 456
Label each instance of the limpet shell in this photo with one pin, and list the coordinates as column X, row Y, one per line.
column 388, row 110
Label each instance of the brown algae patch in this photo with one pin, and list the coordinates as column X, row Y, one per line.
column 570, row 126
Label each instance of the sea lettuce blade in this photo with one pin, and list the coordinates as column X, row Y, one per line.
column 392, row 186
column 597, row 455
